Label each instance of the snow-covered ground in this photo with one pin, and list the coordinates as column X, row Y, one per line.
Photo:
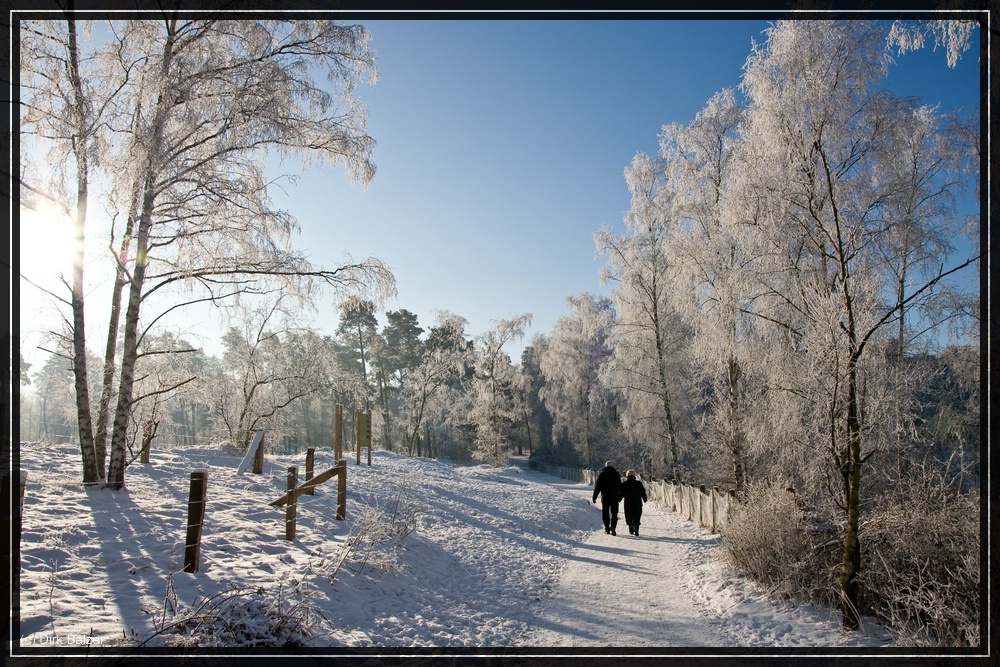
column 430, row 555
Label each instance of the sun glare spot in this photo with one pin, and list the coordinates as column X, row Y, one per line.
column 46, row 244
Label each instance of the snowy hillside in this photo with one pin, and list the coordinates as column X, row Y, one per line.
column 429, row 555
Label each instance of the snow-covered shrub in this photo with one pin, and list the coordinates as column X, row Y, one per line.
column 775, row 538
column 237, row 617
column 921, row 566
column 378, row 531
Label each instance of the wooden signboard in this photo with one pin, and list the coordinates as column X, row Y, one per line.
column 364, row 434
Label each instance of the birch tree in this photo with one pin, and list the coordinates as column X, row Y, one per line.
column 712, row 259
column 222, row 94
column 648, row 332
column 821, row 146
column 264, row 376
column 954, row 36
column 66, row 98
column 198, row 103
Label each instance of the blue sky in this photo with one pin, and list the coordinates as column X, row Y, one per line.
column 501, row 147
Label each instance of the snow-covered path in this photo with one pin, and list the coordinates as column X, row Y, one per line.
column 619, row 590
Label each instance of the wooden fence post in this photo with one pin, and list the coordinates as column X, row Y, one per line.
column 338, row 433
column 196, row 518
column 342, row 489
column 357, row 435
column 290, row 507
column 310, row 455
column 258, row 458
column 12, row 512
column 148, row 433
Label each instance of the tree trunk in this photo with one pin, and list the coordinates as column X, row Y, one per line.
column 364, row 370
column 661, row 361
column 415, row 434
column 850, row 567
column 111, row 350
column 735, row 435
column 116, row 464
column 667, row 413
column 91, row 471
column 386, row 417
column 130, row 351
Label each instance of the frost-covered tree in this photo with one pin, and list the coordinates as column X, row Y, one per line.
column 188, row 410
column 53, row 384
column 67, row 97
column 165, row 364
column 955, row 36
column 712, row 259
column 23, row 377
column 820, row 156
column 649, row 334
column 577, row 352
column 537, row 419
column 200, row 105
column 445, row 358
column 494, row 409
column 263, row 376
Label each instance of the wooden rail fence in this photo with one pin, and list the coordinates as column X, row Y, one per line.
column 197, row 496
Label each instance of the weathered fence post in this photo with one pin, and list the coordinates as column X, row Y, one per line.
column 250, row 455
column 12, row 512
column 290, row 508
column 338, row 433
column 148, row 433
column 258, row 458
column 310, row 455
column 342, row 489
column 196, row 517
column 701, row 505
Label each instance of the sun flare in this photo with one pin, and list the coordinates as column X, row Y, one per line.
column 46, row 245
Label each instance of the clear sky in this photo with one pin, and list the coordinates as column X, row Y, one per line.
column 501, row 147
column 501, row 150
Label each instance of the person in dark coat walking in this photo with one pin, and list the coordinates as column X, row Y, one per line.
column 608, row 485
column 634, row 494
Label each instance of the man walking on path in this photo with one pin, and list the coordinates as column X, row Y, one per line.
column 634, row 495
column 608, row 485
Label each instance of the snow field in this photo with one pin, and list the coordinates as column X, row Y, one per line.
column 495, row 557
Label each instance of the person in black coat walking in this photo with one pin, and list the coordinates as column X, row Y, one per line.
column 608, row 485
column 634, row 494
